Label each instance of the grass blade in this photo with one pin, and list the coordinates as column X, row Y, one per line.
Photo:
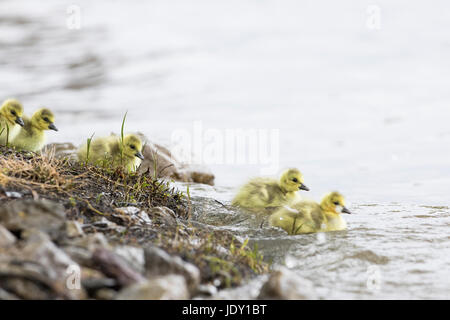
column 122, row 136
column 89, row 140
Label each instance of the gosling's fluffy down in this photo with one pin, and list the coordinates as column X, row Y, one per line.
column 31, row 136
column 108, row 149
column 260, row 193
column 11, row 113
column 309, row 216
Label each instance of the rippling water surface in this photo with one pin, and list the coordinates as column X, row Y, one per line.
column 362, row 111
column 390, row 251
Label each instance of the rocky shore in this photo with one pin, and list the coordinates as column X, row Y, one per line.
column 74, row 231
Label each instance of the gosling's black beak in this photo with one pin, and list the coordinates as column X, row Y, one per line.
column 303, row 187
column 19, row 121
column 345, row 210
column 140, row 155
column 52, row 127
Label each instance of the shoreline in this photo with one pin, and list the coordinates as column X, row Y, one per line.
column 118, row 230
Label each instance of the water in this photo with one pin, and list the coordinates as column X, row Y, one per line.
column 359, row 110
column 390, row 251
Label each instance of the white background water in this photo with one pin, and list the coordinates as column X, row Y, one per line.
column 361, row 110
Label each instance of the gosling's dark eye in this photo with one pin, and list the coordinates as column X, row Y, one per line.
column 336, row 203
column 13, row 113
column 46, row 119
column 132, row 146
column 295, row 180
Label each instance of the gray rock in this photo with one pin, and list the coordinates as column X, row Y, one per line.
column 24, row 286
column 26, row 279
column 170, row 287
column 116, row 267
column 40, row 248
column 95, row 284
column 6, row 238
column 78, row 254
column 5, row 295
column 74, row 229
column 82, row 249
column 159, row 262
column 136, row 215
column 133, row 255
column 105, row 294
column 246, row 291
column 206, row 290
column 95, row 281
column 287, row 285
column 129, row 210
column 165, row 215
column 57, row 263
column 104, row 223
column 45, row 215
column 38, row 264
column 93, row 241
column 13, row 194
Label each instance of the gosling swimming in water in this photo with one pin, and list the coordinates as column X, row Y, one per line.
column 31, row 136
column 261, row 193
column 11, row 113
column 309, row 216
column 108, row 148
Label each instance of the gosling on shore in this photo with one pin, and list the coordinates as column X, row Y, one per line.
column 31, row 136
column 11, row 113
column 308, row 216
column 261, row 193
column 109, row 149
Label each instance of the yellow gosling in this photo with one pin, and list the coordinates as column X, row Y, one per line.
column 309, row 216
column 260, row 193
column 108, row 149
column 11, row 113
column 31, row 136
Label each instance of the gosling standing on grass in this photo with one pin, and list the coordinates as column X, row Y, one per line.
column 109, row 149
column 11, row 113
column 31, row 136
column 309, row 216
column 260, row 193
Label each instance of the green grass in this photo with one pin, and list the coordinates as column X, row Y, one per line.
column 122, row 136
column 252, row 257
column 89, row 140
column 7, row 134
column 189, row 202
